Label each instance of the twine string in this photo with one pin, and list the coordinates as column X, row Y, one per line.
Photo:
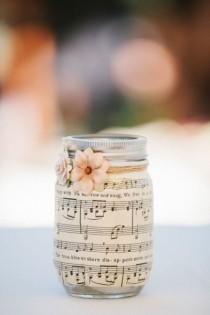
column 125, row 169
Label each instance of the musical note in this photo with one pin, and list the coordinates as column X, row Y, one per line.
column 136, row 229
column 85, row 232
column 70, row 207
column 74, row 274
column 125, row 183
column 116, row 230
column 94, row 210
column 138, row 275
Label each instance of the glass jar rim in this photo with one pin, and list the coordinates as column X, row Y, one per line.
column 112, row 145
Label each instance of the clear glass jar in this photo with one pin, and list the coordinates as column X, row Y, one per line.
column 103, row 216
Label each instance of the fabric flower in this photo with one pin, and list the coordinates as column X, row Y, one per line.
column 89, row 172
column 63, row 169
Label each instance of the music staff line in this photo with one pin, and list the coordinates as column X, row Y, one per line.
column 103, row 247
column 125, row 183
column 103, row 274
column 112, row 232
column 96, row 209
column 103, row 268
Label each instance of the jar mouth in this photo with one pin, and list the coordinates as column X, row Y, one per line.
column 105, row 137
column 112, row 145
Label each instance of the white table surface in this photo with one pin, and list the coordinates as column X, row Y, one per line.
column 179, row 283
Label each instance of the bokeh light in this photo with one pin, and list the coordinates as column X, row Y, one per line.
column 144, row 68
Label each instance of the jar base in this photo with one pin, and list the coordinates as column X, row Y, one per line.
column 105, row 293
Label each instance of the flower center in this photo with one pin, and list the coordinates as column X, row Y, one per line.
column 88, row 170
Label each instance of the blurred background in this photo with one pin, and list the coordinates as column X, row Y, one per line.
column 129, row 66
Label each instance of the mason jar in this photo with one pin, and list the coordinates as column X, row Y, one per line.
column 103, row 215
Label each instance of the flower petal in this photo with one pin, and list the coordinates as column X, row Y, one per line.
column 105, row 166
column 86, row 185
column 80, row 159
column 57, row 168
column 96, row 160
column 62, row 179
column 76, row 186
column 99, row 176
column 99, row 187
column 77, row 173
column 89, row 154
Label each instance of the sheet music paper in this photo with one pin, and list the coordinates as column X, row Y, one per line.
column 105, row 238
